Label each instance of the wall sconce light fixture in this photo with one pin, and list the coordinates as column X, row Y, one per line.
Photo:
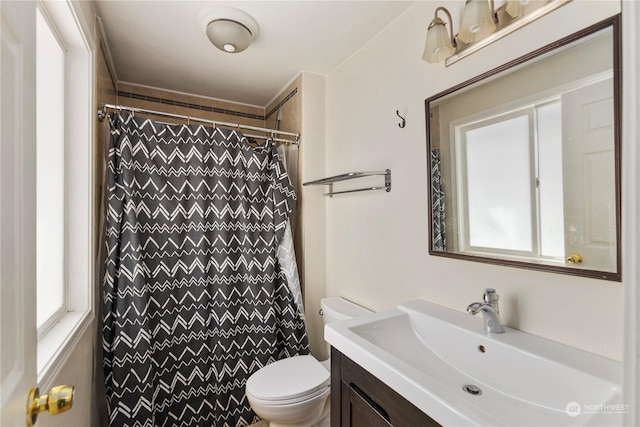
column 516, row 8
column 481, row 25
column 440, row 43
column 478, row 20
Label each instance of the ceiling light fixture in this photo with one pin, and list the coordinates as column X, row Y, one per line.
column 231, row 30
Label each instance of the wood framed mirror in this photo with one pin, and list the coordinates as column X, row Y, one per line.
column 524, row 160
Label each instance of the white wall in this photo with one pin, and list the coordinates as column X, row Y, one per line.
column 377, row 242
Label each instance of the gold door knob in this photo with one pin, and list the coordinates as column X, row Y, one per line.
column 59, row 399
column 574, row 259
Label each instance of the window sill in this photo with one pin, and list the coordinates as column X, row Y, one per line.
column 58, row 343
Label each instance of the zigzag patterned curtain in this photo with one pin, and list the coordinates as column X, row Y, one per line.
column 438, row 226
column 195, row 297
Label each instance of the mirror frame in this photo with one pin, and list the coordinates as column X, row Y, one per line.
column 614, row 23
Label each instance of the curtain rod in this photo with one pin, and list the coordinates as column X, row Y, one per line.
column 296, row 141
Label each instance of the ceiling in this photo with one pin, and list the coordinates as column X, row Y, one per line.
column 163, row 43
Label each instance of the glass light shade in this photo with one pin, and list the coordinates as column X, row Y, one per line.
column 477, row 22
column 516, row 8
column 228, row 35
column 438, row 46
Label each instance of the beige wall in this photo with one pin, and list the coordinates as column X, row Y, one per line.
column 312, row 216
column 377, row 243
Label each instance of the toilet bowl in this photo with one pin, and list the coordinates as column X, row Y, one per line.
column 294, row 392
column 280, row 393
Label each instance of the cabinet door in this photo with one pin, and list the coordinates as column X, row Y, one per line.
column 360, row 411
column 359, row 399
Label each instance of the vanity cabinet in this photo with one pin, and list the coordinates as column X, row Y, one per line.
column 358, row 399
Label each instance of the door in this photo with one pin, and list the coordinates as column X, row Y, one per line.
column 589, row 175
column 17, row 211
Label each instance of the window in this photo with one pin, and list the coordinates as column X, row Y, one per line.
column 498, row 167
column 50, row 88
column 510, row 182
column 64, row 155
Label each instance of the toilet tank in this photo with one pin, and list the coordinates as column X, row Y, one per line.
column 337, row 308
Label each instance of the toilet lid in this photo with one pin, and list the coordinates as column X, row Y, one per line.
column 288, row 379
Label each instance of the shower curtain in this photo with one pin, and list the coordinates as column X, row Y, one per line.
column 289, row 155
column 439, row 238
column 196, row 292
column 286, row 253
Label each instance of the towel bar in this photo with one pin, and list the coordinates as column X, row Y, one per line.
column 353, row 175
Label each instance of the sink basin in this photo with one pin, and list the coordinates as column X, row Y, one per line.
column 428, row 354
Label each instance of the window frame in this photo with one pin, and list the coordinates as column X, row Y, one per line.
column 57, row 342
column 62, row 309
column 460, row 143
column 526, row 107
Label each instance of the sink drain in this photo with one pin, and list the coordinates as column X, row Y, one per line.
column 472, row 389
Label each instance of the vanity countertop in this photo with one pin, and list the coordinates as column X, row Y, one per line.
column 438, row 359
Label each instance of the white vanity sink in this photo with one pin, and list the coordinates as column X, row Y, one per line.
column 428, row 353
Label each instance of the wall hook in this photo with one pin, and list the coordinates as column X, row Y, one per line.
column 404, row 122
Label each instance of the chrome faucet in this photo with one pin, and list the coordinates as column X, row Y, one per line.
column 490, row 311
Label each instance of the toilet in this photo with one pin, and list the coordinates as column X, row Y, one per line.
column 294, row 392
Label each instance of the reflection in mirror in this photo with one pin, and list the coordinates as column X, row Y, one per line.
column 524, row 160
